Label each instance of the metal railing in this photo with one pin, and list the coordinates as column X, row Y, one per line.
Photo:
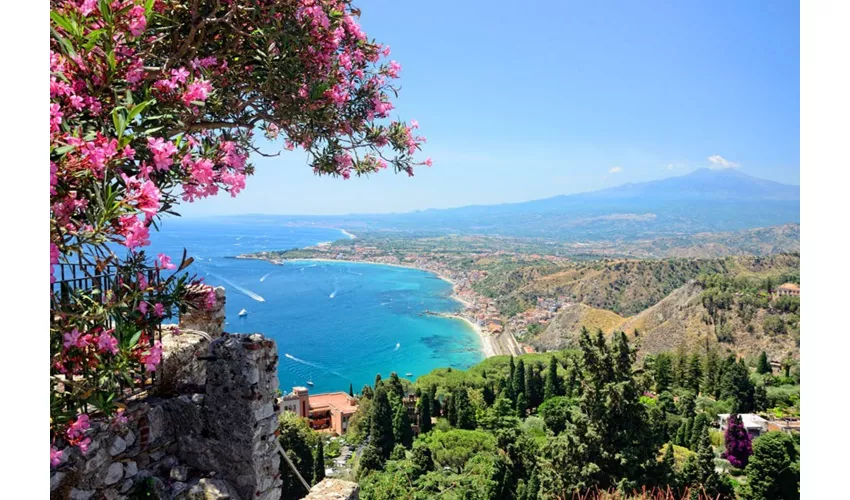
column 82, row 281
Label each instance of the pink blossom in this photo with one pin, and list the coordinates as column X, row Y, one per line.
column 204, row 63
column 152, row 360
column 143, row 307
column 119, row 419
column 78, row 427
column 179, row 75
column 162, row 152
column 158, row 309
column 428, row 162
column 87, row 7
column 107, row 343
column 414, row 124
column 135, row 232
column 55, row 456
column 198, row 90
column 71, row 338
column 138, row 22
column 393, row 70
column 84, row 445
column 210, row 299
column 55, row 117
column 54, row 259
column 165, row 262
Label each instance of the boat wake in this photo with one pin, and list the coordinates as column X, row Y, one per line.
column 397, row 346
column 314, row 365
column 249, row 293
column 264, row 277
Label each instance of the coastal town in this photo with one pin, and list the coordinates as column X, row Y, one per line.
column 499, row 334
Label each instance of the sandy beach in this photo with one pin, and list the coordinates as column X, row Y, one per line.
column 487, row 346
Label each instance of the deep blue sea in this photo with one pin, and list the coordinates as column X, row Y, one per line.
column 335, row 323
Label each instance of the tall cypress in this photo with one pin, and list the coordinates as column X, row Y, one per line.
column 521, row 405
column 382, row 423
column 464, row 414
column 377, row 381
column 319, row 462
column 402, row 433
column 423, row 407
column 552, row 387
column 510, row 385
column 695, row 373
column 519, row 377
column 351, row 389
column 763, row 365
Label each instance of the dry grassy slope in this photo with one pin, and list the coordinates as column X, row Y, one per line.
column 676, row 319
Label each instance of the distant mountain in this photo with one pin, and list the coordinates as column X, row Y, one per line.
column 702, row 201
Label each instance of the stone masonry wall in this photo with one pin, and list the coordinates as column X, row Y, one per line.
column 210, row 432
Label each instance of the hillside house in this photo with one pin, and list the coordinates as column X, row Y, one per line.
column 788, row 289
column 328, row 412
column 755, row 425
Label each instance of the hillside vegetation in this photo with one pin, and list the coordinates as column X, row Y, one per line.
column 732, row 303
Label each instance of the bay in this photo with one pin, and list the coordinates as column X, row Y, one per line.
column 335, row 323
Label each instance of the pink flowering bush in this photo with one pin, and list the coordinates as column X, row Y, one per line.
column 154, row 102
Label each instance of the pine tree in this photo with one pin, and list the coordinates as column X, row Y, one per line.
column 382, row 423
column 423, row 407
column 319, row 462
column 710, row 373
column 695, row 373
column 736, row 385
column 552, row 387
column 422, row 460
column 402, row 433
column 663, row 373
column 774, row 468
column 738, row 444
column 763, row 366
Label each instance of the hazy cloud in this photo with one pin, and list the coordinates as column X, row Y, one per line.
column 615, row 170
column 718, row 161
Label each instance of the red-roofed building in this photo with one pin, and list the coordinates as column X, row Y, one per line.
column 325, row 412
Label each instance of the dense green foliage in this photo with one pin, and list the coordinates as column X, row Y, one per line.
column 596, row 425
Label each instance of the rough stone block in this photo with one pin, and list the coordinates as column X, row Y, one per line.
column 118, row 446
column 114, row 473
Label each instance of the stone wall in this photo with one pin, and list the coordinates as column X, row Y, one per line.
column 198, row 317
column 334, row 489
column 208, row 433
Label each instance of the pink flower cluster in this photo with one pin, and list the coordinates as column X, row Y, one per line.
column 153, row 358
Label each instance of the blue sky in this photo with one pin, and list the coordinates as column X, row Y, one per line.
column 564, row 97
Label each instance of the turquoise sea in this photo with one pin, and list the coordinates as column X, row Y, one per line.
column 335, row 323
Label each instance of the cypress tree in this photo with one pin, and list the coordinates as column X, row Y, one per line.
column 488, row 394
column 736, row 386
column 395, row 385
column 763, row 366
column 521, row 405
column 435, row 403
column 382, row 423
column 377, row 381
column 402, row 433
column 519, row 377
column 465, row 415
column 700, row 423
column 367, row 392
column 424, row 412
column 669, row 475
column 710, row 372
column 510, row 382
column 552, row 386
column 760, row 401
column 319, row 462
column 351, row 389
column 451, row 410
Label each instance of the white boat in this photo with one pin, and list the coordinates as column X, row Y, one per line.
column 408, row 374
column 310, row 383
column 243, row 312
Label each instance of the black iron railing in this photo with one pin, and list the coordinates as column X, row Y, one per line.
column 76, row 282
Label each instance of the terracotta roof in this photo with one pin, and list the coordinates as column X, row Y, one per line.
column 339, row 400
column 789, row 286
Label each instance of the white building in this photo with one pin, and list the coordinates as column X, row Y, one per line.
column 754, row 424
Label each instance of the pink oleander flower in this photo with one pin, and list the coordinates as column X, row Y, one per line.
column 138, row 22
column 179, row 75
column 119, row 419
column 142, row 281
column 54, row 259
column 143, row 307
column 210, row 299
column 78, row 427
column 55, row 456
column 107, row 343
column 162, row 152
column 198, row 90
column 414, row 124
column 428, row 162
column 136, row 233
column 87, row 7
column 71, row 338
column 158, row 309
column 152, row 360
column 55, row 117
column 84, row 445
column 165, row 262
column 394, row 69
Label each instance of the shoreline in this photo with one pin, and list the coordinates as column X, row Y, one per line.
column 488, row 347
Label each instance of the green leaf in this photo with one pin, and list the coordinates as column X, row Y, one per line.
column 62, row 21
column 138, row 108
column 135, row 339
column 119, row 121
column 149, row 7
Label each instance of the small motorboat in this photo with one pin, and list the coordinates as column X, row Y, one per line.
column 243, row 312
column 408, row 374
column 310, row 383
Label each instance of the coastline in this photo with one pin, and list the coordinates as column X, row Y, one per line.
column 488, row 346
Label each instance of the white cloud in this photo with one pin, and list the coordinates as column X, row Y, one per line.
column 718, row 161
column 615, row 170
